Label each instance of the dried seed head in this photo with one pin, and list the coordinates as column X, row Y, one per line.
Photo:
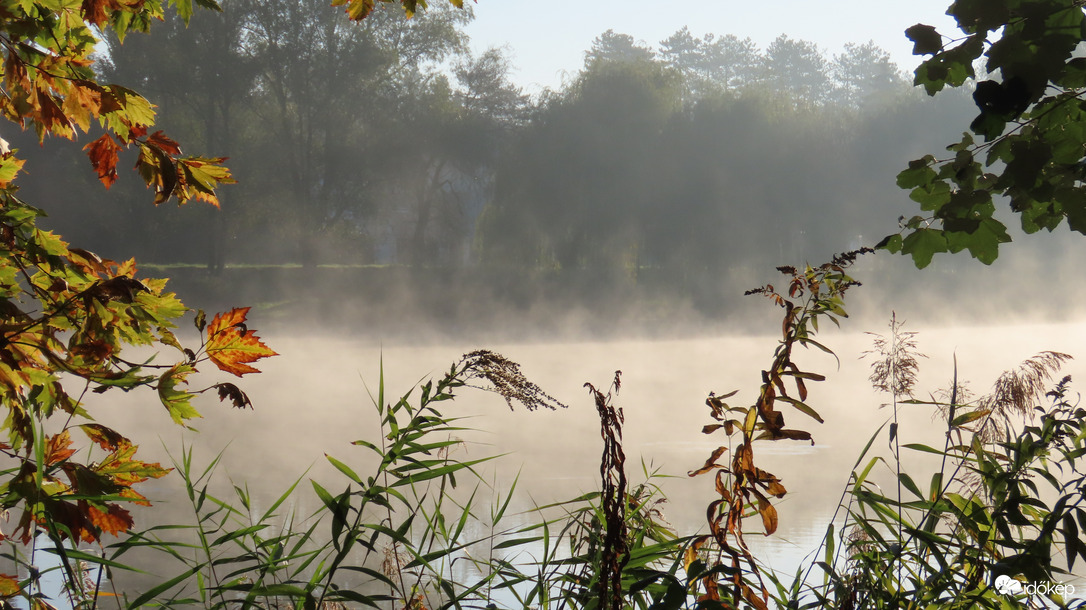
column 896, row 365
column 506, row 380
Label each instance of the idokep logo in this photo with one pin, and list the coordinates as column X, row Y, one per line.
column 1005, row 585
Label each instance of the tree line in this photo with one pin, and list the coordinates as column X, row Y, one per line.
column 389, row 141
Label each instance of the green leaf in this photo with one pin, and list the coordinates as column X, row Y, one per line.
column 345, row 469
column 184, row 9
column 892, row 243
column 176, row 401
column 918, row 174
column 983, row 242
column 923, row 244
column 989, row 125
column 931, row 196
column 802, row 408
column 151, row 593
column 926, row 40
column 979, row 15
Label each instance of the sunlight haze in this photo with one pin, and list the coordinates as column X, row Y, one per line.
column 547, row 43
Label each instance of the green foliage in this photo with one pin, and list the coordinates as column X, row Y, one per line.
column 398, row 532
column 1030, row 122
column 1004, row 502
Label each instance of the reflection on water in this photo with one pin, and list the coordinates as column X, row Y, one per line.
column 313, row 399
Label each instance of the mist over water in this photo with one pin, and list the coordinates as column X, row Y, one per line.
column 313, row 400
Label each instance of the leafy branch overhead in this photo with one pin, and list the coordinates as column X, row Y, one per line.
column 68, row 317
column 1031, row 127
column 49, row 83
column 360, row 9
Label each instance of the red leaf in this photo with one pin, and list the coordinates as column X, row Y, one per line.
column 103, row 156
column 167, row 145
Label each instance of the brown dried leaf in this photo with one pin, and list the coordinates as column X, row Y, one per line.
column 234, row 393
column 709, row 463
column 769, row 515
column 103, row 157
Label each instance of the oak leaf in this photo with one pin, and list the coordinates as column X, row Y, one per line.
column 231, row 346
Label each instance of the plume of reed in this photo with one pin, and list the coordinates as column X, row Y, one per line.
column 506, row 380
column 897, row 360
column 1019, row 390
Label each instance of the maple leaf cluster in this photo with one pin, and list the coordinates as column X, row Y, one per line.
column 81, row 501
column 67, row 316
column 49, row 83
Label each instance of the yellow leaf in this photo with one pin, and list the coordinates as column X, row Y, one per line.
column 9, row 166
column 9, row 586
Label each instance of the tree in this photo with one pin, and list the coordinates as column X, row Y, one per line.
column 610, row 46
column 200, row 77
column 336, row 97
column 732, row 62
column 798, row 69
column 576, row 184
column 486, row 90
column 712, row 63
column 864, row 74
column 1031, row 126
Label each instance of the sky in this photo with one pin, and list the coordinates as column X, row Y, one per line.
column 547, row 40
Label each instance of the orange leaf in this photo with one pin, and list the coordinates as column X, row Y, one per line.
column 116, row 521
column 134, row 496
column 769, row 515
column 231, row 346
column 58, row 448
column 709, row 463
column 103, row 156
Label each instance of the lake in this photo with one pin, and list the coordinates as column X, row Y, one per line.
column 313, row 400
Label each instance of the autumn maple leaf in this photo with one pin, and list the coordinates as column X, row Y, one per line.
column 58, row 448
column 114, row 520
column 231, row 346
